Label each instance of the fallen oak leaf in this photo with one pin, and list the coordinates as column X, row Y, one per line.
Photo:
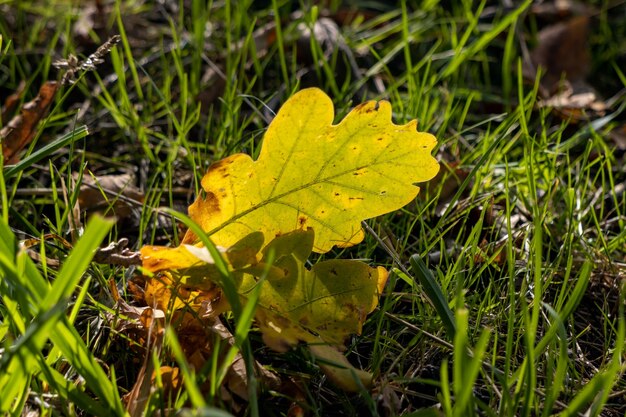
column 311, row 173
column 161, row 258
column 20, row 130
column 330, row 301
column 186, row 276
column 11, row 102
column 310, row 176
column 563, row 52
column 321, row 306
column 185, row 288
column 339, row 370
column 111, row 195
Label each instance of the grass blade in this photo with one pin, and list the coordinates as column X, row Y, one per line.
column 65, row 140
column 434, row 293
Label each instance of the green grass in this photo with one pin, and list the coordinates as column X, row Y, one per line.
column 506, row 296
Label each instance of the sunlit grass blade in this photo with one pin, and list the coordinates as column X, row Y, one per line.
column 77, row 263
column 593, row 396
column 19, row 361
column 463, row 52
column 192, row 389
column 76, row 134
column 49, row 304
column 243, row 314
column 433, row 291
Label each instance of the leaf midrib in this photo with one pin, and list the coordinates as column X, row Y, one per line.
column 297, row 189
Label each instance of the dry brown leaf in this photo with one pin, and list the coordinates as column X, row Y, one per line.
column 563, row 53
column 557, row 9
column 236, row 382
column 137, row 398
column 20, row 131
column 112, row 195
column 197, row 325
column 35, row 255
column 294, row 389
column 171, row 379
column 153, row 324
column 575, row 102
column 10, row 103
column 144, row 326
column 387, row 398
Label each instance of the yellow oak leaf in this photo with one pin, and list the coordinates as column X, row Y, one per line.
column 338, row 369
column 320, row 307
column 186, row 276
column 310, row 188
column 313, row 174
column 330, row 301
column 323, row 304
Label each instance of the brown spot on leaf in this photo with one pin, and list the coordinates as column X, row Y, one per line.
column 222, row 165
column 212, row 202
column 302, row 221
column 359, row 108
